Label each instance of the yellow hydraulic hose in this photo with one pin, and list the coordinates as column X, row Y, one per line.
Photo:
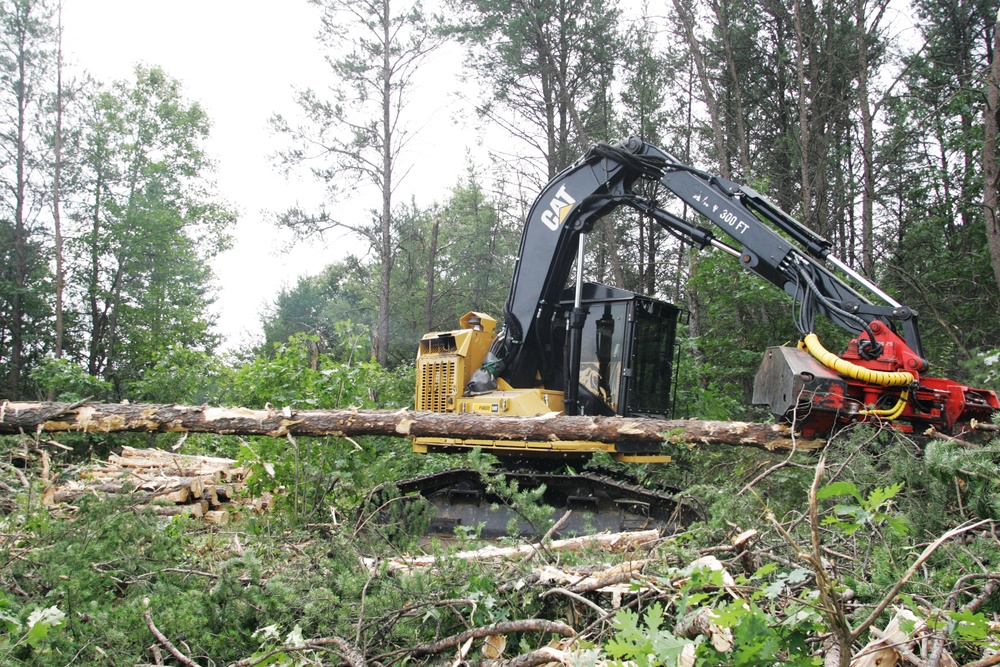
column 892, row 413
column 830, row 360
column 883, row 378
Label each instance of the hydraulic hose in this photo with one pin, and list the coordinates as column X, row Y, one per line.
column 892, row 413
column 883, row 378
column 852, row 370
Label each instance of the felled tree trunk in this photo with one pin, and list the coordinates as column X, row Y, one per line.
column 106, row 418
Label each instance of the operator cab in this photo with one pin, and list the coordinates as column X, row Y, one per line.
column 628, row 352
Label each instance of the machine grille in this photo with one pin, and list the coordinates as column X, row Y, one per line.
column 436, row 384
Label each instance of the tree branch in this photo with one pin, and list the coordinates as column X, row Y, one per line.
column 160, row 637
column 502, row 628
column 894, row 591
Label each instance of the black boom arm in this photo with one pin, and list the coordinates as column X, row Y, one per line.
column 613, row 175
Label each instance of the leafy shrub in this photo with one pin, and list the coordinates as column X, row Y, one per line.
column 301, row 377
column 68, row 380
column 182, row 375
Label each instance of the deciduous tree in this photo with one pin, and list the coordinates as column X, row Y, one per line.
column 149, row 226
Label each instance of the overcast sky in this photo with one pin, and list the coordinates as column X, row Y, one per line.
column 241, row 60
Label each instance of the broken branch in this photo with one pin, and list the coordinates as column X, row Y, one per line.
column 502, row 628
column 164, row 642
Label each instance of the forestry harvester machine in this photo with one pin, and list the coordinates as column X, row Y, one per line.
column 590, row 349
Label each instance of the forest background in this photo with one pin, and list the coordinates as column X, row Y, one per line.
column 113, row 222
column 110, row 222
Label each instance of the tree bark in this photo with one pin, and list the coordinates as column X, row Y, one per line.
column 22, row 61
column 60, row 277
column 991, row 170
column 867, row 146
column 387, row 250
column 143, row 418
column 734, row 84
column 803, row 108
column 56, row 193
column 624, row 541
column 430, row 275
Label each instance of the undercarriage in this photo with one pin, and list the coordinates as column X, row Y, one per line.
column 466, row 501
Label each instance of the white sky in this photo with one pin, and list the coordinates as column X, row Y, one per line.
column 241, row 60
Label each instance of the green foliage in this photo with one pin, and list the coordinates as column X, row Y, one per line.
column 320, row 478
column 336, row 306
column 455, row 258
column 869, row 511
column 939, row 262
column 68, row 381
column 740, row 633
column 699, row 394
column 365, row 84
column 972, row 476
column 293, row 651
column 27, row 35
column 301, row 376
column 739, row 316
column 24, row 305
column 23, row 639
column 146, row 225
column 146, row 214
column 477, row 240
column 99, row 567
column 983, row 370
column 645, row 644
column 320, row 475
column 543, row 64
column 529, row 514
column 182, row 375
column 267, row 584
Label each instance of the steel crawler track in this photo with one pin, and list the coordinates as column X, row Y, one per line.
column 464, row 500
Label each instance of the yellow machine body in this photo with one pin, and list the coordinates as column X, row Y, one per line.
column 445, row 364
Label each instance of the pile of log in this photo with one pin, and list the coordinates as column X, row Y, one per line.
column 169, row 483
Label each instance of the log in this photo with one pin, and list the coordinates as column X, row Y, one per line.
column 24, row 417
column 181, row 464
column 893, row 645
column 56, row 496
column 217, row 517
column 191, row 482
column 195, row 510
column 607, row 541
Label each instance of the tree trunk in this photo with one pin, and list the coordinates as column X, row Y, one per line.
column 106, row 418
column 386, row 251
column 56, row 186
column 429, row 278
column 867, row 147
column 20, row 250
column 991, row 171
column 803, row 108
column 722, row 16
